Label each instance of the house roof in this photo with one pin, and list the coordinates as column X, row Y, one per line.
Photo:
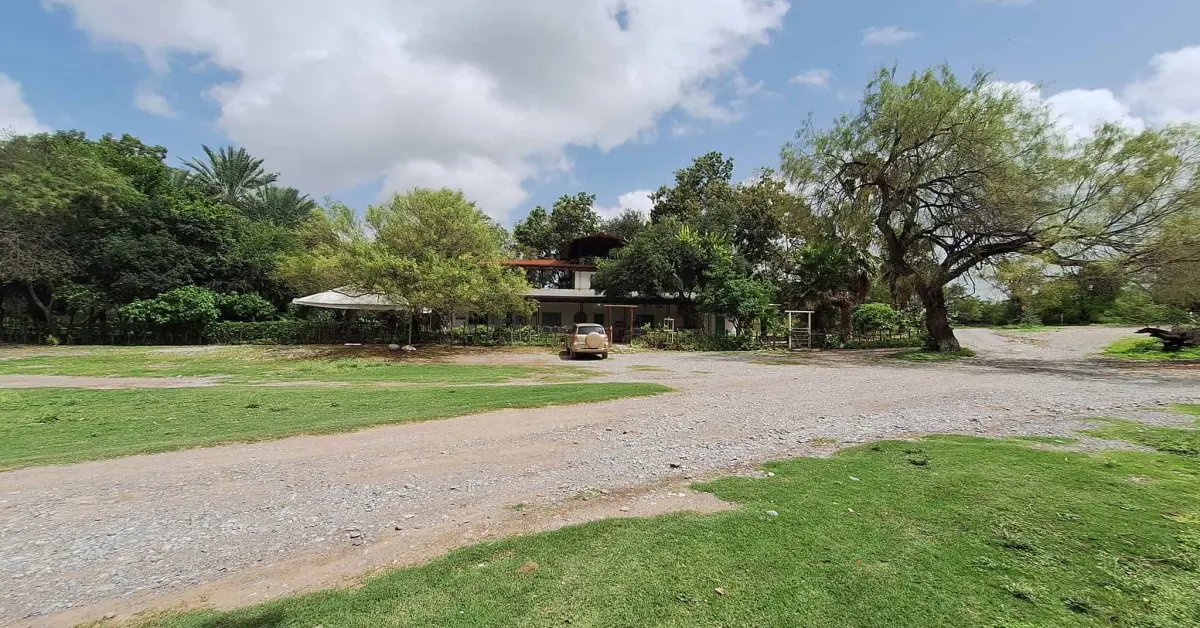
column 547, row 264
column 586, row 296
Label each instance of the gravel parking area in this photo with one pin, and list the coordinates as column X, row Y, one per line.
column 243, row 523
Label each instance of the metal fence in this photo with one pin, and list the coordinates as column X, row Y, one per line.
column 297, row 332
column 28, row 332
column 270, row 332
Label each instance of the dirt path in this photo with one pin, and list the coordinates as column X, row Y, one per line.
column 243, row 523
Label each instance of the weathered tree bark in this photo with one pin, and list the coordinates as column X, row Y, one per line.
column 937, row 320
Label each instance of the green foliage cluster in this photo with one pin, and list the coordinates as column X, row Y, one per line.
column 424, row 248
column 949, row 176
column 198, row 307
column 88, row 226
column 874, row 318
column 697, row 340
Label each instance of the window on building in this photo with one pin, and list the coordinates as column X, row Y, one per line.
column 598, row 319
column 643, row 319
column 552, row 319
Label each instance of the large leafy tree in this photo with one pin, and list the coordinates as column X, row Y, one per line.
column 669, row 259
column 50, row 188
column 430, row 248
column 624, row 225
column 953, row 174
column 544, row 234
column 703, row 195
column 90, row 225
column 230, row 174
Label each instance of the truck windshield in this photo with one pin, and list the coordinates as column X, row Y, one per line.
column 584, row 330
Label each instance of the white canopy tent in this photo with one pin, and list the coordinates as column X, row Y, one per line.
column 347, row 298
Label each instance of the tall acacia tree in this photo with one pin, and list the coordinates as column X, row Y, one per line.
column 955, row 174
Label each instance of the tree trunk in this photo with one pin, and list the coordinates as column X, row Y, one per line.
column 846, row 320
column 44, row 307
column 937, row 320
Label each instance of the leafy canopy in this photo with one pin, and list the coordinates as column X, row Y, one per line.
column 430, row 248
column 953, row 174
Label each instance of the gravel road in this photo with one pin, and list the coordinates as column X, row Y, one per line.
column 243, row 523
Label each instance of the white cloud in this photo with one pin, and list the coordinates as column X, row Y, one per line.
column 146, row 98
column 815, row 78
column 1079, row 111
column 478, row 94
column 886, row 36
column 16, row 115
column 637, row 200
column 1172, row 93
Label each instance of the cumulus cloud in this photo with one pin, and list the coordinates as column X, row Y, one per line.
column 886, row 36
column 478, row 94
column 1082, row 110
column 1170, row 94
column 637, row 200
column 16, row 116
column 815, row 78
column 1078, row 111
column 146, row 98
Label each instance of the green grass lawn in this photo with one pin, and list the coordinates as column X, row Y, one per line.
column 252, row 364
column 944, row 532
column 920, row 355
column 54, row 426
column 1170, row 440
column 1149, row 350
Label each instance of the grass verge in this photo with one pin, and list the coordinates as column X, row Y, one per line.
column 1166, row 439
column 920, row 355
column 944, row 532
column 54, row 426
column 254, row 364
column 1148, row 350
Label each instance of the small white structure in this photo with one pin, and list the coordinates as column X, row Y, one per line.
column 799, row 336
column 347, row 298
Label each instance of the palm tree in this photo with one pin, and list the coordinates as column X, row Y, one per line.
column 280, row 205
column 230, row 174
column 835, row 276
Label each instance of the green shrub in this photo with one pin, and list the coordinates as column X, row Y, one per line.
column 874, row 317
column 694, row 340
column 186, row 306
column 1137, row 308
column 245, row 307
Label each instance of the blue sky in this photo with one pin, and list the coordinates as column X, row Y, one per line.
column 348, row 126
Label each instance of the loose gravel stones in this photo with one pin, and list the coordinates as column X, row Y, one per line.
column 73, row 535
